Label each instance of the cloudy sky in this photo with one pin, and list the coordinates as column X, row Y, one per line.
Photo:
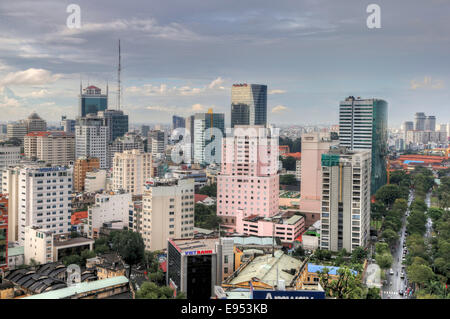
column 182, row 56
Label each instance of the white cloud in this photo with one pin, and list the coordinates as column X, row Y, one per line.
column 428, row 83
column 150, row 28
column 217, row 83
column 164, row 90
column 277, row 91
column 198, row 108
column 279, row 109
column 30, row 76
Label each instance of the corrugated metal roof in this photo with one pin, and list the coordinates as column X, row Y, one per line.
column 80, row 288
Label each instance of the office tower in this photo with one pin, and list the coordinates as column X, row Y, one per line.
column 430, row 123
column 249, row 179
column 157, row 141
column 3, row 231
column 92, row 101
column 204, row 154
column 91, row 139
column 313, row 146
column 363, row 125
column 345, row 214
column 131, row 169
column 108, row 207
column 55, row 147
column 197, row 266
column 248, row 104
column 35, row 124
column 117, row 122
column 80, row 169
column 144, row 130
column 168, row 211
column 45, row 199
column 442, row 128
column 419, row 121
column 9, row 155
column 130, row 141
column 178, row 121
column 17, row 130
column 68, row 125
column 408, row 126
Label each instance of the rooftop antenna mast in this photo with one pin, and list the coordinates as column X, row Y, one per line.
column 118, row 80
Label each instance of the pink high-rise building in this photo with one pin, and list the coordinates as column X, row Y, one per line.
column 313, row 146
column 249, row 180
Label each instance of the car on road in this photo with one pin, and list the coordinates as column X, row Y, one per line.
column 400, row 292
column 402, row 275
column 391, row 272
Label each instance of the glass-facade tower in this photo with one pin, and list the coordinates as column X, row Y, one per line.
column 248, row 104
column 92, row 101
column 363, row 125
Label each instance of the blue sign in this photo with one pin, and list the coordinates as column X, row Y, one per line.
column 288, row 294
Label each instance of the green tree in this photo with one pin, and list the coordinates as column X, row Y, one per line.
column 390, row 236
column 373, row 293
column 388, row 193
column 288, row 179
column 209, row 190
column 358, row 255
column 346, row 286
column 384, row 260
column 129, row 245
column 420, row 274
column 289, row 163
column 150, row 290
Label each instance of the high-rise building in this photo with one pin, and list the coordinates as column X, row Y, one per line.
column 35, row 124
column 108, row 207
column 130, row 141
column 17, row 130
column 419, row 121
column 131, row 169
column 178, row 121
column 45, row 199
column 208, row 146
column 3, row 231
column 117, row 122
column 54, row 147
column 313, row 146
column 430, row 123
column 9, row 155
column 68, row 125
column 363, row 125
column 157, row 141
column 144, row 130
column 81, row 167
column 92, row 101
column 248, row 104
column 249, row 179
column 168, row 211
column 91, row 139
column 408, row 126
column 345, row 218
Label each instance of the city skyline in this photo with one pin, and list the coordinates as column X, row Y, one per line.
column 182, row 59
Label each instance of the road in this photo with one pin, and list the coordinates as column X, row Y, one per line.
column 429, row 222
column 394, row 283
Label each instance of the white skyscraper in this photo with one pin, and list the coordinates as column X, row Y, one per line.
column 91, row 140
column 45, row 199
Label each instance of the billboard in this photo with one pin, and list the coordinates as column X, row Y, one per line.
column 288, row 294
